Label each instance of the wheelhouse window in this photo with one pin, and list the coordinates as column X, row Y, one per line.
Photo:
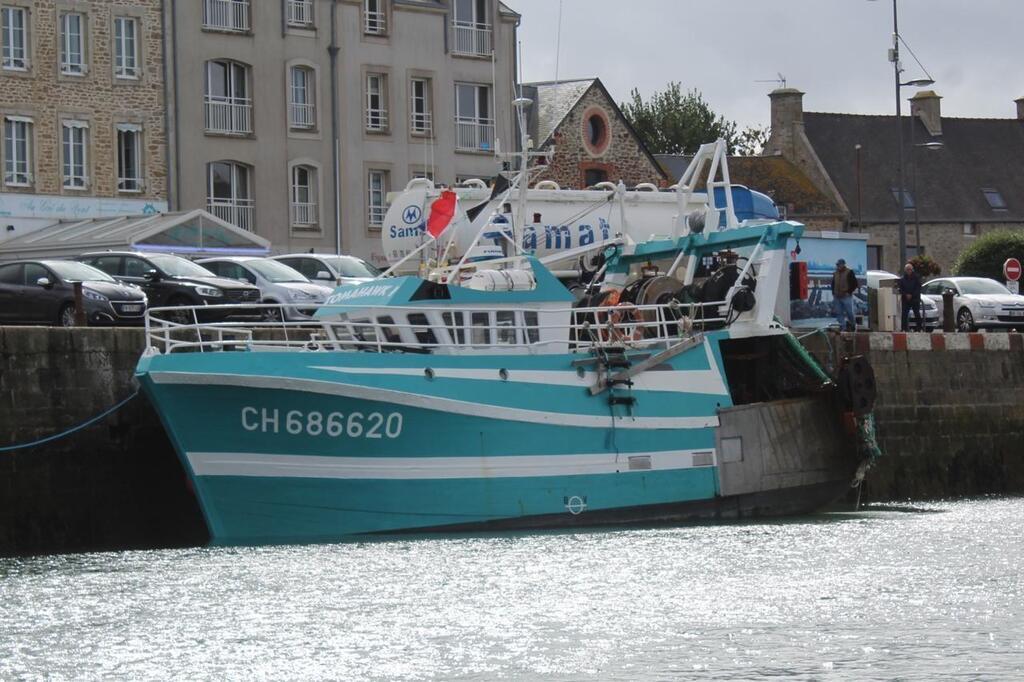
column 229, row 193
column 377, row 189
column 419, row 106
column 376, row 102
column 302, row 102
column 126, row 51
column 72, row 44
column 474, row 127
column 471, row 28
column 75, row 147
column 129, row 157
column 303, row 197
column 227, row 15
column 14, row 23
column 300, row 13
column 374, row 18
column 17, row 151
column 228, row 104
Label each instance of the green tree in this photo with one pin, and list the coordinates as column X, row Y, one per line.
column 751, row 141
column 985, row 257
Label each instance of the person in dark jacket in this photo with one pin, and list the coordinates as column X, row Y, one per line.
column 910, row 296
column 844, row 285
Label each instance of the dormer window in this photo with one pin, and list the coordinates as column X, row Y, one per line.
column 908, row 198
column 994, row 198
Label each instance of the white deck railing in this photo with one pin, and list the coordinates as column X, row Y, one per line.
column 471, row 39
column 474, row 134
column 238, row 212
column 226, row 15
column 228, row 115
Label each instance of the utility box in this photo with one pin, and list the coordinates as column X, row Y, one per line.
column 883, row 303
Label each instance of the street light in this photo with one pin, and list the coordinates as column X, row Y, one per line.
column 934, row 146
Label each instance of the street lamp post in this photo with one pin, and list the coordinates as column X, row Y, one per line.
column 933, row 145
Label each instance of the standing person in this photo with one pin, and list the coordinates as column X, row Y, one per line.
column 910, row 296
column 844, row 285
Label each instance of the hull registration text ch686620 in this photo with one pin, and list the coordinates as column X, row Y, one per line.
column 329, row 424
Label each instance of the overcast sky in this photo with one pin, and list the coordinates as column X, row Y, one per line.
column 833, row 50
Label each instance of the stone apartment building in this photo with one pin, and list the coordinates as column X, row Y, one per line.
column 272, row 97
column 82, row 111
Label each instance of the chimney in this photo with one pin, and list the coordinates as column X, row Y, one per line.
column 925, row 105
column 787, row 114
column 1020, row 108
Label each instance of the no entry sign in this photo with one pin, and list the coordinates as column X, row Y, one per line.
column 1011, row 269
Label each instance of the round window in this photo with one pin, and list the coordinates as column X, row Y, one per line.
column 595, row 130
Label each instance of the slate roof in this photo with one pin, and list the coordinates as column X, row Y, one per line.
column 775, row 176
column 978, row 153
column 554, row 100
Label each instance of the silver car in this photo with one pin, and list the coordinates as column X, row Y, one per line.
column 330, row 269
column 278, row 284
column 978, row 303
column 929, row 309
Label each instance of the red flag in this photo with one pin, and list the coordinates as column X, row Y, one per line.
column 441, row 212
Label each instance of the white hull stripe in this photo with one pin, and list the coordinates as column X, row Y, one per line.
column 406, row 468
column 429, row 402
column 704, row 381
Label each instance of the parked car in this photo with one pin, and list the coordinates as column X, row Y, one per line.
column 174, row 281
column 978, row 303
column 929, row 309
column 277, row 283
column 330, row 269
column 43, row 292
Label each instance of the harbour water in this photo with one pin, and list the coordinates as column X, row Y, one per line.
column 920, row 592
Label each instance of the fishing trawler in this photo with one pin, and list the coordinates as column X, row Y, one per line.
column 485, row 395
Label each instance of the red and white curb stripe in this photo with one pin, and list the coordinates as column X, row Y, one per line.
column 936, row 341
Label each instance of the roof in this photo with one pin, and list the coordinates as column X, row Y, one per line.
column 977, row 154
column 554, row 100
column 775, row 176
column 195, row 233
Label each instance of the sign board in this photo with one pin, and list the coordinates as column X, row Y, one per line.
column 1011, row 269
column 1013, row 285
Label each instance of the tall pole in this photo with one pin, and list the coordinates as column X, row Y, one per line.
column 899, row 136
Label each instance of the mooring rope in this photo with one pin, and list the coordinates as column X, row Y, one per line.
column 73, row 429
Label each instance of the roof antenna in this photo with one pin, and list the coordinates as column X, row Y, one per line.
column 781, row 80
column 558, row 40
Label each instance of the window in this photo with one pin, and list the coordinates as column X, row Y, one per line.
column 11, row 274
column 35, row 271
column 595, row 130
column 377, row 190
column 302, row 103
column 13, row 21
column 229, row 195
column 72, row 44
column 970, row 229
column 129, row 157
column 74, row 148
column 303, row 197
column 126, row 59
column 592, row 176
column 506, row 324
column 995, row 199
column 300, row 13
column 532, row 326
column 454, row 323
column 471, row 28
column 421, row 329
column 419, row 106
column 228, row 105
column 226, row 15
column 874, row 257
column 480, row 331
column 17, row 151
column 374, row 18
column 908, row 198
column 376, row 102
column 474, row 127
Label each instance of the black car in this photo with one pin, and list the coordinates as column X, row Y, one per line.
column 43, row 292
column 175, row 281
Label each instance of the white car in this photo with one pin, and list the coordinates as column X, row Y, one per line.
column 978, row 303
column 929, row 309
column 278, row 284
column 329, row 269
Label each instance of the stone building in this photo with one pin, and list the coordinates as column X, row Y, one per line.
column 295, row 118
column 593, row 141
column 970, row 184
column 82, row 111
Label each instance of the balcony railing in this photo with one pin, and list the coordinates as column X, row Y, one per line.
column 472, row 39
column 226, row 15
column 377, row 119
column 375, row 215
column 238, row 212
column 420, row 123
column 474, row 134
column 302, row 116
column 228, row 115
column 374, row 22
column 300, row 12
column 304, row 214
column 129, row 184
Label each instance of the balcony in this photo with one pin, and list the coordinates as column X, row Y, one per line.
column 374, row 23
column 238, row 212
column 471, row 39
column 300, row 13
column 473, row 134
column 302, row 116
column 377, row 120
column 420, row 123
column 129, row 184
column 304, row 215
column 228, row 115
column 227, row 15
